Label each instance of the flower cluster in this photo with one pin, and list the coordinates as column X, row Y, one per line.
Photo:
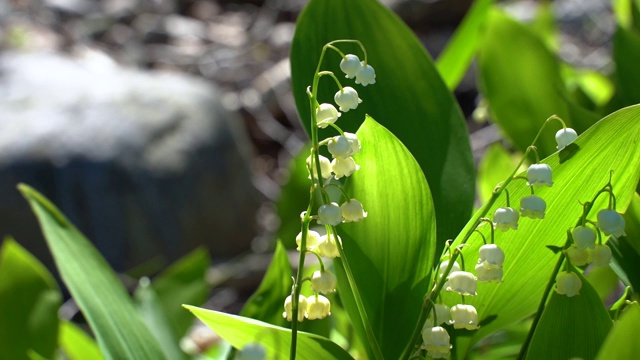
column 312, row 307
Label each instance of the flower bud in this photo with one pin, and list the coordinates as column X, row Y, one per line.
column 352, row 211
column 464, row 317
column 584, row 237
column 328, row 247
column 344, row 167
column 353, row 141
column 313, row 239
column 565, row 137
column 600, row 255
column 325, row 167
column 491, row 254
column 462, row 282
column 347, row 98
column 326, row 114
column 611, row 223
column 532, row 206
column 350, row 65
column 505, row 218
column 578, row 257
column 568, row 283
column 489, row 273
column 539, row 175
column 443, row 316
column 365, row 75
column 323, row 282
column 339, row 147
column 318, row 307
column 437, row 342
column 329, row 214
column 288, row 308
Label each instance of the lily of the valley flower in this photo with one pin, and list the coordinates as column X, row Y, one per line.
column 344, row 167
column 443, row 266
column 565, row 137
column 352, row 211
column 318, row 307
column 329, row 214
column 611, row 223
column 568, row 283
column 325, row 167
column 600, row 255
column 578, row 257
column 328, row 246
column 437, row 342
column 443, row 316
column 532, row 206
column 340, row 147
column 326, row 114
column 539, row 175
column 464, row 317
column 288, row 308
column 323, row 282
column 354, row 141
column 491, row 254
column 366, row 75
column 350, row 65
column 313, row 239
column 584, row 237
column 347, row 99
column 505, row 218
column 489, row 273
column 462, row 282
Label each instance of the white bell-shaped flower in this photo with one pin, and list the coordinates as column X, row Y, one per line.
column 532, row 206
column 354, row 141
column 568, row 283
column 443, row 316
column 328, row 246
column 326, row 114
column 443, row 266
column 565, row 137
column 491, row 254
column 347, row 99
column 505, row 218
column 366, row 75
column 288, row 308
column 350, row 65
column 584, row 237
column 339, row 147
column 539, row 175
column 344, row 167
column 600, row 255
column 329, row 214
column 489, row 273
column 313, row 239
column 436, row 341
column 578, row 257
column 464, row 317
column 252, row 351
column 352, row 211
column 323, row 282
column 318, row 307
column 325, row 167
column 462, row 282
column 611, row 223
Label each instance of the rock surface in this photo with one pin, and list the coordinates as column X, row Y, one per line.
column 145, row 164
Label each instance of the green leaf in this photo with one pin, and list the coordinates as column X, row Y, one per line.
column 240, row 331
column 77, row 345
column 626, row 52
column 183, row 282
column 409, row 98
column 118, row 327
column 456, row 57
column 610, row 145
column 29, row 302
column 622, row 342
column 571, row 327
column 496, row 165
column 391, row 251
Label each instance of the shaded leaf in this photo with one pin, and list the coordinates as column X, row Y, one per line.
column 622, row 342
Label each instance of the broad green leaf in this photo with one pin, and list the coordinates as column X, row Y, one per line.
column 456, row 57
column 622, row 342
column 29, row 302
column 496, row 165
column 183, row 282
column 391, row 251
column 610, row 145
column 626, row 250
column 571, row 327
column 626, row 54
column 409, row 98
column 118, row 327
column 240, row 331
column 77, row 344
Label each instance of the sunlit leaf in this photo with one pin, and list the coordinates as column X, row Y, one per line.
column 118, row 327
column 622, row 342
column 496, row 165
column 77, row 344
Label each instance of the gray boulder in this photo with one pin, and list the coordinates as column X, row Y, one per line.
column 147, row 165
